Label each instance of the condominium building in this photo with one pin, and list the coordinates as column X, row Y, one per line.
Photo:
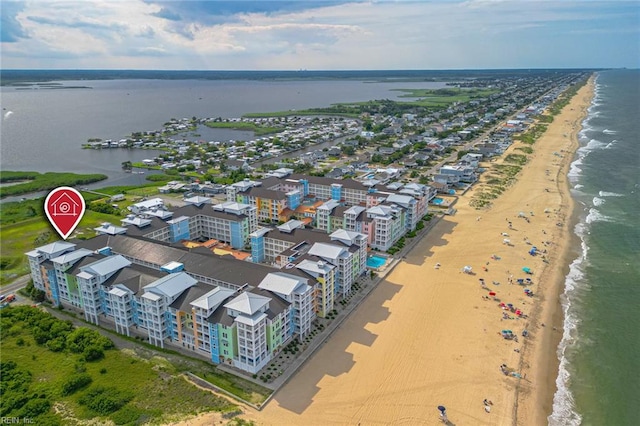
column 232, row 311
column 297, row 291
column 385, row 226
column 229, row 222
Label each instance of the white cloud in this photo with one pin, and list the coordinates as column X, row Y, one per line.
column 479, row 33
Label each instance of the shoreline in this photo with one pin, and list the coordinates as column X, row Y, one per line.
column 543, row 356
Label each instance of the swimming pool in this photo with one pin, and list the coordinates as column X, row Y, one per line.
column 376, row 261
column 437, row 201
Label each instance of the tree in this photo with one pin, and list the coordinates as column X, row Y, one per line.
column 127, row 166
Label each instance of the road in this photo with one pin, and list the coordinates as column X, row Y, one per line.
column 16, row 285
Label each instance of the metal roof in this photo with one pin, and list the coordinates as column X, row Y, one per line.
column 172, row 285
column 72, row 256
column 247, row 303
column 315, row 268
column 347, row 237
column 213, row 299
column 251, row 320
column 106, row 266
column 328, row 251
column 283, row 283
column 55, row 247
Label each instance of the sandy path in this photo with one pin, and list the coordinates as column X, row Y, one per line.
column 426, row 337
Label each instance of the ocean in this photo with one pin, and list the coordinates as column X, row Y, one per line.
column 599, row 378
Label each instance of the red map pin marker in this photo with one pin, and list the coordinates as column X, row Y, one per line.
column 64, row 207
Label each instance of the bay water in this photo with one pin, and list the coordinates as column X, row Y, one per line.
column 43, row 129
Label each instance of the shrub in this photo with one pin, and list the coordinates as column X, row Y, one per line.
column 127, row 415
column 105, row 400
column 34, row 407
column 93, row 353
column 75, row 383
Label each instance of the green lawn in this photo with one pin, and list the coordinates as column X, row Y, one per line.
column 21, row 237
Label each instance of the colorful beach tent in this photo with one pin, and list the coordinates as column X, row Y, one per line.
column 526, row 270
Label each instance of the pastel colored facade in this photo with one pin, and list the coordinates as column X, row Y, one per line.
column 386, row 226
column 324, row 292
column 289, row 244
column 231, row 311
column 229, row 222
column 297, row 291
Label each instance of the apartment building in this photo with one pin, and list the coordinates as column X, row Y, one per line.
column 229, row 222
column 232, row 311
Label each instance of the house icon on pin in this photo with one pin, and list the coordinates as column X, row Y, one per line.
column 64, row 206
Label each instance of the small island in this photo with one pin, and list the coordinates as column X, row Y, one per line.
column 18, row 183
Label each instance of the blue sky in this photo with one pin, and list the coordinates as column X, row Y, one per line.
column 319, row 35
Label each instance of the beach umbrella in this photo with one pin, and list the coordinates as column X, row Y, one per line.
column 526, row 269
column 442, row 408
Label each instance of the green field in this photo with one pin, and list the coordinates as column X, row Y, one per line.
column 35, row 182
column 433, row 98
column 24, row 226
column 443, row 97
column 139, row 389
column 243, row 125
column 21, row 237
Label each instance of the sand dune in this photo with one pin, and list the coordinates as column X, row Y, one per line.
column 427, row 337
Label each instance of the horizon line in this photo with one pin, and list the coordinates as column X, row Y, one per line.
column 318, row 70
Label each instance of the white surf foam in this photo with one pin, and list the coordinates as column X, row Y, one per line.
column 592, row 145
column 597, row 201
column 8, row 114
column 578, row 186
column 564, row 410
column 609, row 194
column 611, row 144
column 574, row 169
column 595, row 216
column 609, row 132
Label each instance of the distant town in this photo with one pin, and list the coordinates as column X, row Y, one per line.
column 272, row 238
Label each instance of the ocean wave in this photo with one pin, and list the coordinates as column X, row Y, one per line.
column 574, row 169
column 597, row 201
column 609, row 132
column 609, row 194
column 578, row 186
column 564, row 410
column 611, row 144
column 592, row 145
column 595, row 216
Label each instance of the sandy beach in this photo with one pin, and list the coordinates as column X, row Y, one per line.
column 430, row 336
